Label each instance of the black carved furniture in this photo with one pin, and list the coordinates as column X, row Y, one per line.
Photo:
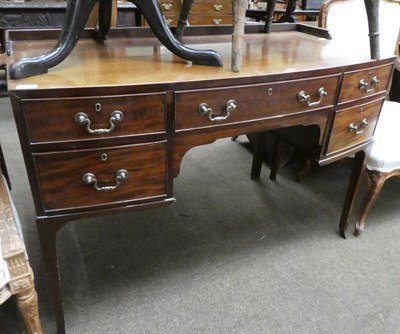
column 78, row 12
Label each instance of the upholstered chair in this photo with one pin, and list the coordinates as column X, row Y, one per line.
column 383, row 157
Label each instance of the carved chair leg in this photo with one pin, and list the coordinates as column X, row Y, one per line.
column 28, row 306
column 151, row 11
column 376, row 181
column 77, row 14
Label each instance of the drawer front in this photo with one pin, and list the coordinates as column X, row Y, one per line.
column 354, row 125
column 210, row 19
column 210, row 107
column 212, row 6
column 171, row 20
column 61, row 175
column 168, row 6
column 358, row 84
column 141, row 114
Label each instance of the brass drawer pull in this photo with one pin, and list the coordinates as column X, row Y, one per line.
column 83, row 119
column 358, row 129
column 368, row 86
column 204, row 109
column 217, row 7
column 303, row 97
column 167, row 6
column 90, row 178
column 217, row 21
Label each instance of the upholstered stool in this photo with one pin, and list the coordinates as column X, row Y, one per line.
column 383, row 157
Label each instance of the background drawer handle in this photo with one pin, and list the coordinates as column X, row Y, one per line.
column 217, row 7
column 358, row 129
column 368, row 86
column 167, row 6
column 90, row 178
column 217, row 21
column 204, row 109
column 303, row 97
column 83, row 119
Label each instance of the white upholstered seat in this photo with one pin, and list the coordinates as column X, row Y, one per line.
column 383, row 157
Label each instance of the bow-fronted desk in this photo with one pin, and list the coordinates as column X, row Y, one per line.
column 106, row 130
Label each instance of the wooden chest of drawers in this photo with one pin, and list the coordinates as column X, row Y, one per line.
column 203, row 12
column 211, row 12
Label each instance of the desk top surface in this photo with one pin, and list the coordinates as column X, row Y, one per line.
column 143, row 61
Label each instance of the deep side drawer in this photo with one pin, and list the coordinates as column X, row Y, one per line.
column 95, row 177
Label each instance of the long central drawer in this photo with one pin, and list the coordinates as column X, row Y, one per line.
column 210, row 107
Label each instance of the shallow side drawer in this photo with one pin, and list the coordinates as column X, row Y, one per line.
column 358, row 84
column 49, row 120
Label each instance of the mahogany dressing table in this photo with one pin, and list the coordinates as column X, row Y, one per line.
column 106, row 130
